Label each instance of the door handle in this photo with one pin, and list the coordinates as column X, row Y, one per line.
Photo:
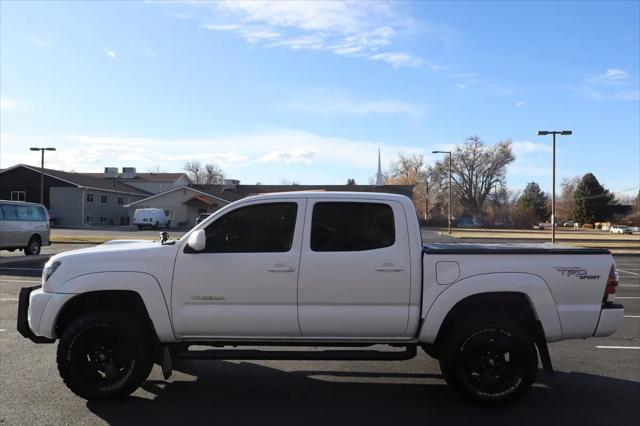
column 281, row 267
column 387, row 267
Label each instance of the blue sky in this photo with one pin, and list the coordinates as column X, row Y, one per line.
column 307, row 92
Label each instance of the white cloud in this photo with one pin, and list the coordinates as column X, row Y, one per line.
column 110, row 53
column 41, row 42
column 614, row 84
column 397, row 59
column 223, row 27
column 8, row 104
column 256, row 35
column 150, row 52
column 610, row 75
column 346, row 28
column 297, row 155
column 520, row 104
column 326, row 104
column 266, row 156
column 526, row 147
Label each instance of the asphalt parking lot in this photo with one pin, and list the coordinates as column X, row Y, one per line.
column 597, row 381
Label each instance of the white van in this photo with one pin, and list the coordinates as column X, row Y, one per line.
column 23, row 226
column 150, row 218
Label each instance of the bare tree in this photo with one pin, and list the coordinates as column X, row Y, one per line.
column 566, row 202
column 501, row 206
column 209, row 174
column 411, row 170
column 476, row 171
column 351, row 182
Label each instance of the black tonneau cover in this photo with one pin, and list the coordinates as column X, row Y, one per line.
column 507, row 248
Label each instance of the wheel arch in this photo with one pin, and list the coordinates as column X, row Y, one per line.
column 525, row 295
column 135, row 292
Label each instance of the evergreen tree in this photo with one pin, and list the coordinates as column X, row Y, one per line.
column 531, row 207
column 591, row 200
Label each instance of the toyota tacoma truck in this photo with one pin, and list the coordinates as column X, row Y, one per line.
column 328, row 275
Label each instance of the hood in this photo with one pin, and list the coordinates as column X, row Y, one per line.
column 144, row 256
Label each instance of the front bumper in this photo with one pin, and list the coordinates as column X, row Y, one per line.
column 611, row 317
column 30, row 312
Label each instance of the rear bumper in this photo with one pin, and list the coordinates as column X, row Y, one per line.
column 611, row 317
column 27, row 313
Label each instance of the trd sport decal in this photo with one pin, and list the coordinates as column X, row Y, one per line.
column 575, row 271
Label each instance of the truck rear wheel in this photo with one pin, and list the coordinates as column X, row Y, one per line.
column 104, row 355
column 489, row 360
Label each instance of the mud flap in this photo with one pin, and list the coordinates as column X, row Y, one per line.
column 543, row 350
column 167, row 365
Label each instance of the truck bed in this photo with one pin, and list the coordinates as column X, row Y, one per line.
column 507, row 248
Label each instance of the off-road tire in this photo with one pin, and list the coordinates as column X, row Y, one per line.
column 102, row 344
column 489, row 359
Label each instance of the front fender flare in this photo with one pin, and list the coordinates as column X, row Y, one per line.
column 139, row 282
column 532, row 286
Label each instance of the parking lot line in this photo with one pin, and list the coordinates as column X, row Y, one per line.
column 32, row 281
column 627, row 297
column 628, row 272
column 9, row 299
column 632, row 316
column 619, row 347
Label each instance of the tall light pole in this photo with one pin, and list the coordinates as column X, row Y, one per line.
column 447, row 152
column 42, row 150
column 553, row 179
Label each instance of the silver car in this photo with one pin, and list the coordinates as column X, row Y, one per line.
column 23, row 226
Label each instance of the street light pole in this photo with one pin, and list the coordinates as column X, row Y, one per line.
column 447, row 152
column 553, row 178
column 42, row 150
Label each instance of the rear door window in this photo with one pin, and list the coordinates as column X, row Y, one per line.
column 30, row 213
column 348, row 226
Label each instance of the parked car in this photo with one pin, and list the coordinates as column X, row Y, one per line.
column 620, row 229
column 201, row 217
column 314, row 269
column 568, row 224
column 23, row 226
column 150, row 218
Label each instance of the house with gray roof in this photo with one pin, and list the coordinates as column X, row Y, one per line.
column 85, row 199
column 183, row 204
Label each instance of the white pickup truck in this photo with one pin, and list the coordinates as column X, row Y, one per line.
column 317, row 269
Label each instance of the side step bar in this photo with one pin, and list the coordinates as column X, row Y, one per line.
column 338, row 355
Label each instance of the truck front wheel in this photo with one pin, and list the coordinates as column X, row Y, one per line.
column 489, row 360
column 104, row 355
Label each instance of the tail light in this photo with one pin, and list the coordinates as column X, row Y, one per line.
column 612, row 284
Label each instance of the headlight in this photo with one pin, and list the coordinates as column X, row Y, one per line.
column 48, row 270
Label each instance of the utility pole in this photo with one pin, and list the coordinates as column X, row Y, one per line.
column 553, row 179
column 42, row 150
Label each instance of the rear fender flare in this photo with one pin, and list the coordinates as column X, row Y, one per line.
column 532, row 286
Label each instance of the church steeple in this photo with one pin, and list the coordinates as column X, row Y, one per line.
column 379, row 176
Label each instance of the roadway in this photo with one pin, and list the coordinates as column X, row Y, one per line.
column 597, row 381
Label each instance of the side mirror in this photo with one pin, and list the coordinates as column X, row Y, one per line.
column 197, row 240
